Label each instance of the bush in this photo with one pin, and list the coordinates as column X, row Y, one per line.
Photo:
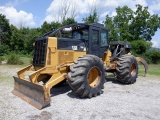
column 4, row 49
column 153, row 56
column 144, row 56
column 140, row 46
column 14, row 59
column 1, row 59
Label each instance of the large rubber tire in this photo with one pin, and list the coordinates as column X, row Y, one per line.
column 87, row 76
column 127, row 69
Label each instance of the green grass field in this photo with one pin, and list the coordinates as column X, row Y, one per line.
column 153, row 70
column 26, row 60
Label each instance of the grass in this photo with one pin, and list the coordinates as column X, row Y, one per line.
column 26, row 60
column 14, row 59
column 153, row 70
column 5, row 78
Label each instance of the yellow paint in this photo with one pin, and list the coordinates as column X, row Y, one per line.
column 57, row 67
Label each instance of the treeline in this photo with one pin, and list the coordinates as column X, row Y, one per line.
column 135, row 27
column 20, row 40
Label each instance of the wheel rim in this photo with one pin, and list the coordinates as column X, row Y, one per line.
column 94, row 77
column 133, row 69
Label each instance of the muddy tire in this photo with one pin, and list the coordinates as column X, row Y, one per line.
column 127, row 69
column 87, row 76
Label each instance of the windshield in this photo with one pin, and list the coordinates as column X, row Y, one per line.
column 73, row 31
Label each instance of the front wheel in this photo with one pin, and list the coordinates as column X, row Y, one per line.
column 87, row 76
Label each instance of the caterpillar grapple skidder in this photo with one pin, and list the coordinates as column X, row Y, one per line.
column 79, row 53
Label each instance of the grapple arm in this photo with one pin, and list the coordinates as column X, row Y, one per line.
column 142, row 61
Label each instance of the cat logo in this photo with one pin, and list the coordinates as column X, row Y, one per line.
column 74, row 47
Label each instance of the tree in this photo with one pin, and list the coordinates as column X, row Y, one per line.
column 29, row 36
column 140, row 46
column 144, row 25
column 67, row 9
column 73, row 9
column 63, row 9
column 1, row 34
column 153, row 56
column 17, row 40
column 122, row 19
column 119, row 24
column 46, row 27
column 5, row 31
column 92, row 18
column 94, row 10
column 128, row 25
column 68, row 21
column 113, row 35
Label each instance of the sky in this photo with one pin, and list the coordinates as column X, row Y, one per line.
column 32, row 13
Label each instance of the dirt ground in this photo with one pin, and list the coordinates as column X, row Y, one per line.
column 139, row 101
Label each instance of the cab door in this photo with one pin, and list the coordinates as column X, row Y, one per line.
column 96, row 46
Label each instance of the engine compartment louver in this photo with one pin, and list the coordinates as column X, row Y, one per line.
column 39, row 58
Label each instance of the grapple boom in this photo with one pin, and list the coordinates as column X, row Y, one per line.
column 144, row 63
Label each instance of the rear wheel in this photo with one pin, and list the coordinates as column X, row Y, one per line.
column 127, row 69
column 87, row 76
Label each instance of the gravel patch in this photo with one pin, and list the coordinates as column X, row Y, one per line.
column 139, row 101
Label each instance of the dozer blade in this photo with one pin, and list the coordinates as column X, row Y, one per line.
column 32, row 93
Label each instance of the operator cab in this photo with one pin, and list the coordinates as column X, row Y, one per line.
column 92, row 38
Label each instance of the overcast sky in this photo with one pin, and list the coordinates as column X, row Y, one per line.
column 32, row 13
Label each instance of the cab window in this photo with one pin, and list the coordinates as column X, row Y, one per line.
column 104, row 37
column 95, row 36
